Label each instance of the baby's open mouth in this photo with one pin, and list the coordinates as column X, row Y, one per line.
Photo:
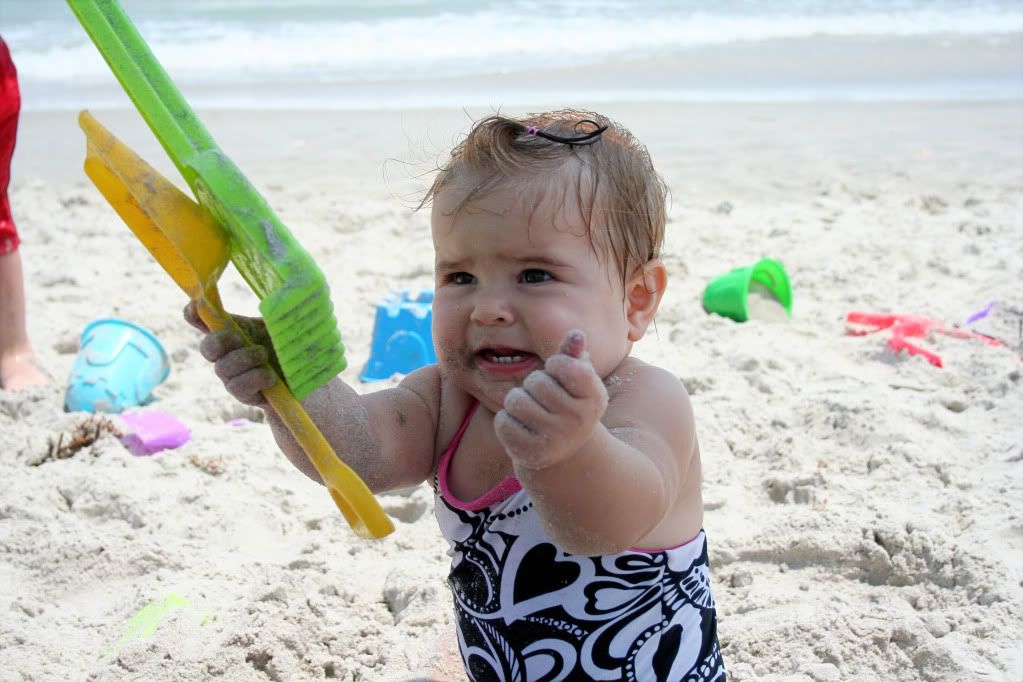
column 504, row 356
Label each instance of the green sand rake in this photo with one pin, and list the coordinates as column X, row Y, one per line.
column 234, row 222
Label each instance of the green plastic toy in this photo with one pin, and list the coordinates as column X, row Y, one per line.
column 194, row 241
column 294, row 296
column 728, row 294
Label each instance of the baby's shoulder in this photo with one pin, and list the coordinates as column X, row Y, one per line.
column 634, row 378
column 641, row 392
column 446, row 404
column 454, row 405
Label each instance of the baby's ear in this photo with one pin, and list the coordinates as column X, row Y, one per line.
column 643, row 292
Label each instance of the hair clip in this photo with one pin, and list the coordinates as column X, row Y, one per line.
column 587, row 138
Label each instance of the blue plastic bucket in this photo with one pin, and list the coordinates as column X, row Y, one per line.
column 118, row 366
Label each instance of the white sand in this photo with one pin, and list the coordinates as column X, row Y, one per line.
column 864, row 509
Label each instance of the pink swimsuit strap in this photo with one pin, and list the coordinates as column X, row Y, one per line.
column 501, row 491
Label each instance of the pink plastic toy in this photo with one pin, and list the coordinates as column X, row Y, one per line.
column 152, row 432
column 911, row 326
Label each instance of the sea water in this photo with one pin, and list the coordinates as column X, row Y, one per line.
column 338, row 54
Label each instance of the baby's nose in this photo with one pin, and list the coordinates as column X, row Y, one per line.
column 492, row 308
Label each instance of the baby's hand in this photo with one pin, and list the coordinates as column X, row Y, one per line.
column 244, row 369
column 555, row 410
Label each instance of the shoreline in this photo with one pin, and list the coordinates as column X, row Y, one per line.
column 844, row 68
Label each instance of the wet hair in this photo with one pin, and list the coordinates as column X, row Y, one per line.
column 621, row 196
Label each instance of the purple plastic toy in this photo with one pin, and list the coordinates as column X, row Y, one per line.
column 980, row 314
column 152, row 432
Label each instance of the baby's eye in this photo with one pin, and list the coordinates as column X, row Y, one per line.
column 535, row 276
column 461, row 278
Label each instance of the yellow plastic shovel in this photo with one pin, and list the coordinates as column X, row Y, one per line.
column 194, row 250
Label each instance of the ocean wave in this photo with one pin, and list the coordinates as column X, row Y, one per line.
column 208, row 49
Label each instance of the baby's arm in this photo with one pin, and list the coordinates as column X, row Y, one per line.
column 602, row 475
column 386, row 437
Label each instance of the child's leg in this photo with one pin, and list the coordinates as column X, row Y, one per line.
column 17, row 365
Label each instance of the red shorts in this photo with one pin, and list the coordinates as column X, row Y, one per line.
column 10, row 105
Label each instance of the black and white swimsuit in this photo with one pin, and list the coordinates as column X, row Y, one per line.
column 526, row 610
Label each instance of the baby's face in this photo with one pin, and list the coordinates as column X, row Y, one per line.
column 515, row 271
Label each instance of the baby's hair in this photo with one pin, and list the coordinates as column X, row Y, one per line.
column 621, row 196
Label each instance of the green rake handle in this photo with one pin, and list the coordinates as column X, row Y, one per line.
column 154, row 94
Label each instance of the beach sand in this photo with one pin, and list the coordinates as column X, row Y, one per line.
column 864, row 509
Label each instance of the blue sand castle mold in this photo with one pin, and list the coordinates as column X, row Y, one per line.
column 402, row 337
column 118, row 366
